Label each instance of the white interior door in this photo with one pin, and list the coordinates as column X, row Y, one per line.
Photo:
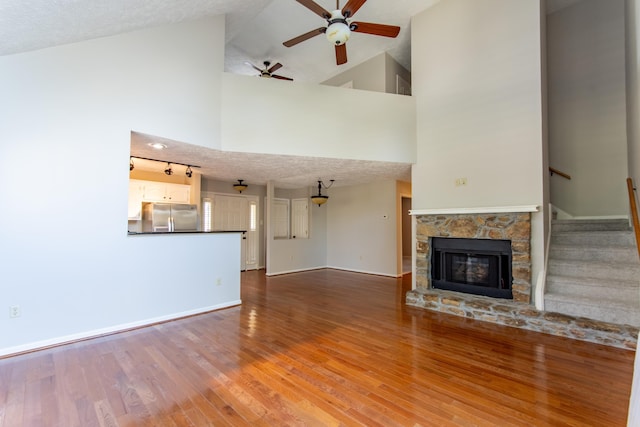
column 232, row 213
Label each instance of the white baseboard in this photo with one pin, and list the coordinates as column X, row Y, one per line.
column 110, row 330
column 373, row 273
column 300, row 270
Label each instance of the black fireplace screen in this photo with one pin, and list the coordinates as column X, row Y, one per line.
column 476, row 266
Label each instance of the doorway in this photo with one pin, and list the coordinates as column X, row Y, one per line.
column 239, row 213
column 406, row 235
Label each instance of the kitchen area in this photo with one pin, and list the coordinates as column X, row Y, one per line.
column 163, row 197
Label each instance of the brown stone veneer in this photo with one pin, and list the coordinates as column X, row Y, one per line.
column 510, row 313
column 504, row 226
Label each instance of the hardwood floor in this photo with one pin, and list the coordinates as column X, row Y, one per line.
column 321, row 348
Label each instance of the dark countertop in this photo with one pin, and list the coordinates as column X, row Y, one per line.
column 146, row 233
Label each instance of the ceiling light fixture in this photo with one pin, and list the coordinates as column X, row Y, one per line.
column 168, row 170
column 240, row 186
column 339, row 30
column 157, row 145
column 320, row 199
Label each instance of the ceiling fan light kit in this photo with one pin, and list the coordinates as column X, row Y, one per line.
column 338, row 31
column 267, row 71
column 339, row 26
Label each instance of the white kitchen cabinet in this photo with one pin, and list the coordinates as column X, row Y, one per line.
column 136, row 194
column 178, row 193
column 166, row 192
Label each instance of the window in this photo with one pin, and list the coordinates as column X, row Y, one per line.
column 206, row 214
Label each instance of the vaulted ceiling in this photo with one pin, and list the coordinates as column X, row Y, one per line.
column 255, row 31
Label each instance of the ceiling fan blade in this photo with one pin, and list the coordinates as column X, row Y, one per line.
column 277, row 66
column 315, row 8
column 341, row 54
column 352, row 7
column 275, row 76
column 254, row 67
column 306, row 36
column 377, row 29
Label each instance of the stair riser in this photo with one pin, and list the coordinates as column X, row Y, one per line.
column 631, row 317
column 584, row 269
column 615, row 238
column 621, row 293
column 617, row 254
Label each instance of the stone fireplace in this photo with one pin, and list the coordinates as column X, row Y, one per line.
column 509, row 224
column 514, row 228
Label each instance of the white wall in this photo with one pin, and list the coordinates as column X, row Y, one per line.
column 477, row 82
column 67, row 114
column 587, row 108
column 633, row 140
column 393, row 69
column 633, row 88
column 313, row 120
column 369, row 75
column 289, row 255
column 362, row 228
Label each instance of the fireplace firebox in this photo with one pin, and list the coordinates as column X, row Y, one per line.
column 473, row 266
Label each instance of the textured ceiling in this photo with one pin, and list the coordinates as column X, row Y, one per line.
column 257, row 169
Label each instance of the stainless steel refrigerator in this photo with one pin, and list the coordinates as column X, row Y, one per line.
column 169, row 217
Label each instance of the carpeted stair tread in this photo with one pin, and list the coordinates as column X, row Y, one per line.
column 616, row 253
column 606, row 310
column 606, row 270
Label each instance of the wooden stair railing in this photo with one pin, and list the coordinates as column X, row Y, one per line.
column 634, row 211
column 557, row 172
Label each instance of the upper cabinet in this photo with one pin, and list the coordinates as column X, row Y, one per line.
column 153, row 191
column 165, row 192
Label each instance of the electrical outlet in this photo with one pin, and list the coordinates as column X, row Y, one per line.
column 461, row 181
column 14, row 311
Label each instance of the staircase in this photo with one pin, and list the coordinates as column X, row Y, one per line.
column 594, row 271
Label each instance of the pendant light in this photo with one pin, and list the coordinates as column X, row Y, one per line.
column 320, row 199
column 240, row 186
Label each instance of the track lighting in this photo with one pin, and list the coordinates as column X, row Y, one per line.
column 168, row 170
column 240, row 186
column 319, row 199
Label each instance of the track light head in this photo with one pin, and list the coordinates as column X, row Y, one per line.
column 168, row 170
column 189, row 172
column 131, row 166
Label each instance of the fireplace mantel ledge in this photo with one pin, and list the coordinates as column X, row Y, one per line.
column 477, row 210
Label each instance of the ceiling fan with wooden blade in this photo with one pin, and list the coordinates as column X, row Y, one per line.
column 339, row 26
column 268, row 70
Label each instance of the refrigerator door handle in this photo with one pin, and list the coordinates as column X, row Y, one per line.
column 172, row 225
